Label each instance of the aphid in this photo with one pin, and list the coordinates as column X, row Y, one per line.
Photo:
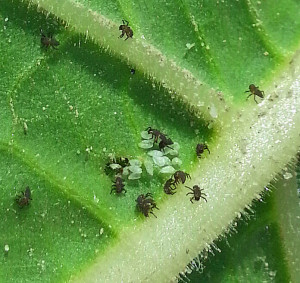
column 168, row 187
column 125, row 30
column 118, row 186
column 145, row 204
column 24, row 198
column 197, row 193
column 200, row 149
column 48, row 40
column 155, row 134
column 164, row 143
column 181, row 176
column 255, row 91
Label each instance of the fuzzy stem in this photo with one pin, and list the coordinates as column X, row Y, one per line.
column 144, row 56
column 249, row 154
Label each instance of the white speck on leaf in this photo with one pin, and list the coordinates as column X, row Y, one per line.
column 287, row 175
column 6, row 248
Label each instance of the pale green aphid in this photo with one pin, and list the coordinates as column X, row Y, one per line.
column 167, row 170
column 149, row 166
column 146, row 144
column 134, row 176
column 135, row 169
column 115, row 166
column 176, row 161
column 135, row 162
column 155, row 153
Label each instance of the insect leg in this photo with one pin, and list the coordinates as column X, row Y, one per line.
column 249, row 95
column 204, row 198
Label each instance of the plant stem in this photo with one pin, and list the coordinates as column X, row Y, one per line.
column 252, row 150
column 144, row 56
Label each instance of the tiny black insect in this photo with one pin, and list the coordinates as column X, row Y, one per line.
column 125, row 30
column 197, row 193
column 48, row 40
column 164, row 143
column 145, row 204
column 132, row 71
column 155, row 134
column 168, row 187
column 200, row 149
column 181, row 176
column 118, row 186
column 255, row 91
column 24, row 198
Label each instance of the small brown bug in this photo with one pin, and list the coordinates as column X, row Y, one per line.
column 200, row 149
column 48, row 40
column 125, row 30
column 145, row 204
column 168, row 187
column 197, row 193
column 181, row 176
column 155, row 134
column 118, row 186
column 255, row 91
column 24, row 198
column 164, row 143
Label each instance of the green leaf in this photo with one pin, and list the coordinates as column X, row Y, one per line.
column 64, row 111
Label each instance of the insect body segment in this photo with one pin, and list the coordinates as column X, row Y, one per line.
column 48, row 40
column 125, row 30
column 168, row 187
column 164, row 143
column 145, row 204
column 200, row 149
column 197, row 193
column 118, row 186
column 24, row 198
column 255, row 91
column 181, row 176
column 156, row 134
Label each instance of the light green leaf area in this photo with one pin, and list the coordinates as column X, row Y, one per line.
column 62, row 112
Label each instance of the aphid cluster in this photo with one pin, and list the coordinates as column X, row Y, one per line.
column 179, row 177
column 164, row 141
column 24, row 198
column 165, row 156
